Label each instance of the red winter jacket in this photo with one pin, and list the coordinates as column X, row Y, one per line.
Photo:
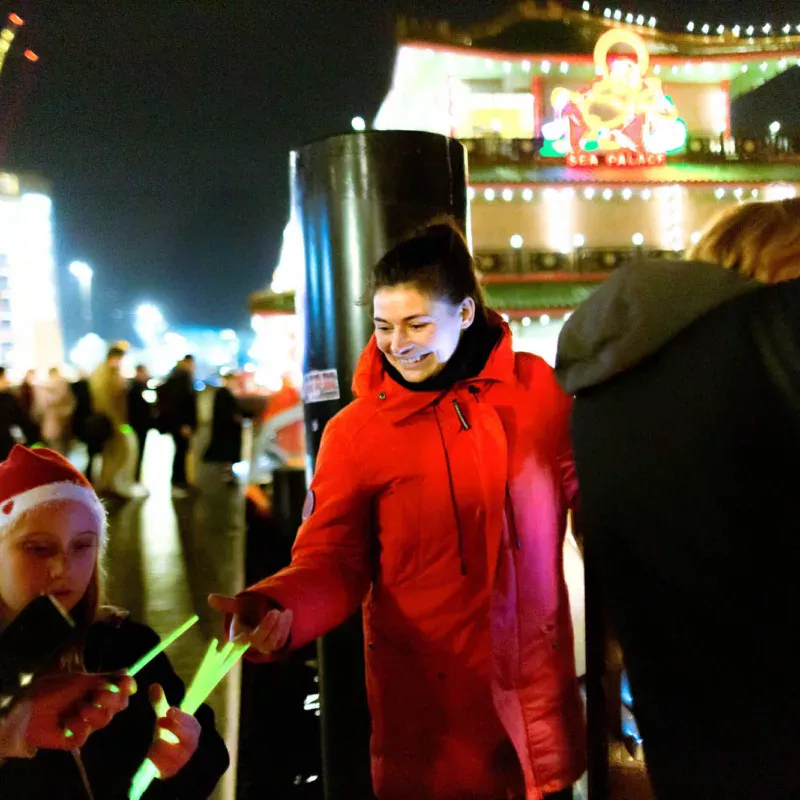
column 444, row 515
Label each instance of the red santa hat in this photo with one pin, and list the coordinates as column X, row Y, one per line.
column 31, row 478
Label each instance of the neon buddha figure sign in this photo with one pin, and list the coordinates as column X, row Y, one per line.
column 622, row 119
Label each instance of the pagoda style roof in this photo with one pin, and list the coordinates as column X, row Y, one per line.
column 546, row 26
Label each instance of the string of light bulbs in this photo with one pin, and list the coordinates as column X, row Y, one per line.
column 527, row 195
column 765, row 30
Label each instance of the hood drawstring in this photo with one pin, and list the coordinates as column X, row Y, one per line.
column 76, row 754
column 465, row 426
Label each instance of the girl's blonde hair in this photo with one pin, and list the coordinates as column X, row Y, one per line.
column 758, row 240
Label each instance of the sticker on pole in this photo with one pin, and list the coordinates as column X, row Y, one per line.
column 321, row 385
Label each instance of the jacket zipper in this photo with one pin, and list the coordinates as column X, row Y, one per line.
column 450, row 483
column 461, row 418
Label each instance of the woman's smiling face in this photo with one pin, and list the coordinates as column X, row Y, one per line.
column 418, row 333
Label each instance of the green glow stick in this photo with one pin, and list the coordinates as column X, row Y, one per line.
column 145, row 775
column 208, row 658
column 213, row 668
column 209, row 680
column 161, row 646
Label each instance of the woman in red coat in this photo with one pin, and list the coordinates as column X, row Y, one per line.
column 439, row 503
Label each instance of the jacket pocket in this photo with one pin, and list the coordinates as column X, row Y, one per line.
column 398, row 514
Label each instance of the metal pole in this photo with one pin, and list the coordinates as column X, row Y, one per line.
column 356, row 196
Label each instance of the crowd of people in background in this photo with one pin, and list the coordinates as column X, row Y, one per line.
column 111, row 417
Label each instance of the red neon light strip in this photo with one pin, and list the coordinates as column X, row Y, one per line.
column 537, row 90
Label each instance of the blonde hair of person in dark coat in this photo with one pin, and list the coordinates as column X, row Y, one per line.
column 757, row 240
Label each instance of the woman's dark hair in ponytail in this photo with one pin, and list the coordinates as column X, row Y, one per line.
column 435, row 259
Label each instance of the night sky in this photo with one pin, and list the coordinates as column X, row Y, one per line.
column 165, row 128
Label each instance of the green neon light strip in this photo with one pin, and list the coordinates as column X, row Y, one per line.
column 213, row 668
column 161, row 646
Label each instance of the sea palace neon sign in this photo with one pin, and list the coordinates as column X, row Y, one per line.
column 622, row 119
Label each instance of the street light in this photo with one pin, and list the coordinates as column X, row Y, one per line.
column 83, row 273
column 149, row 316
column 774, row 127
column 358, row 124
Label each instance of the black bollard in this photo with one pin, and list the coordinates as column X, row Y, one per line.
column 356, row 196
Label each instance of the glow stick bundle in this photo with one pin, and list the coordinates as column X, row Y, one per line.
column 148, row 657
column 216, row 664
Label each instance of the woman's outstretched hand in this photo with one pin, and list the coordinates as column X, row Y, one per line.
column 255, row 621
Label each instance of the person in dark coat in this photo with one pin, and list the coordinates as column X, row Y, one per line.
column 686, row 433
column 52, row 532
column 177, row 408
column 140, row 413
column 12, row 416
column 90, row 428
column 26, row 395
column 225, row 446
column 26, row 392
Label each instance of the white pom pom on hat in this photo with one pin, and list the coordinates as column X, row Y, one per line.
column 31, row 478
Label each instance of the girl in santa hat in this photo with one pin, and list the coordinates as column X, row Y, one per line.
column 52, row 532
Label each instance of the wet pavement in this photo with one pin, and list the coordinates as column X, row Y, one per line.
column 166, row 555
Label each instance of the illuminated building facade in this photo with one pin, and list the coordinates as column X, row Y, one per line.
column 594, row 138
column 30, row 324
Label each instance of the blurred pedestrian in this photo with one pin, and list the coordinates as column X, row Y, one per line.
column 110, row 410
column 91, row 429
column 686, row 431
column 26, row 394
column 140, row 413
column 15, row 425
column 177, row 412
column 55, row 405
column 225, row 446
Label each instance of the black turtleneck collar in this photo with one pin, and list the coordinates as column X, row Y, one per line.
column 469, row 359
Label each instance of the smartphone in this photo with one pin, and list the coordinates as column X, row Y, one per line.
column 29, row 642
